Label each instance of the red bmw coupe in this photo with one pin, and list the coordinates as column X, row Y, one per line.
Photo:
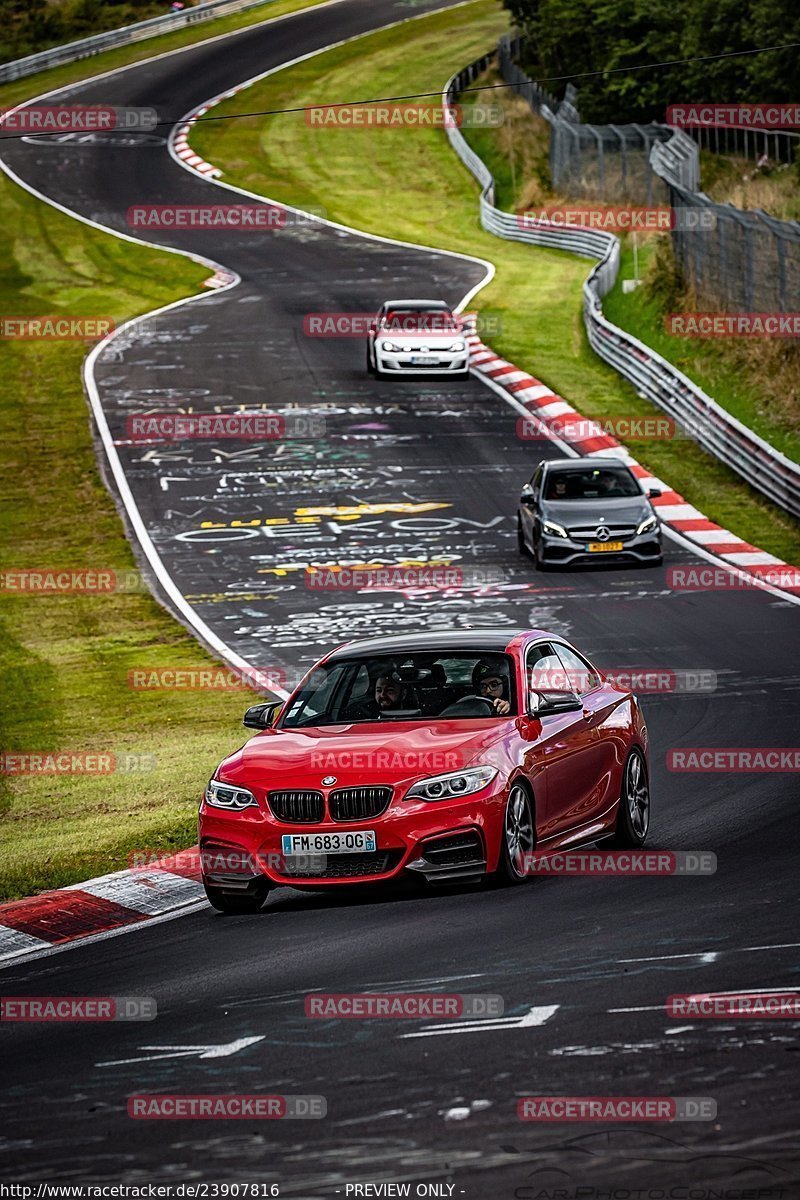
column 452, row 755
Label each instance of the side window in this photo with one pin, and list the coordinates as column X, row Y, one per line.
column 544, row 670
column 581, row 676
column 536, row 482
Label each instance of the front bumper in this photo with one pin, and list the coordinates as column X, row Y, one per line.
column 643, row 548
column 403, row 364
column 438, row 841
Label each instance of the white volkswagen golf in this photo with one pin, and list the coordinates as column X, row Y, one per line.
column 417, row 337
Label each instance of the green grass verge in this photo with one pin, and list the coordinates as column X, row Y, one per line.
column 65, row 659
column 744, row 387
column 408, row 184
column 45, row 81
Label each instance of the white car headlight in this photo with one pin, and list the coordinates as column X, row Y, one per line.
column 457, row 347
column 554, row 529
column 225, row 795
column 392, row 347
column 453, row 785
column 648, row 523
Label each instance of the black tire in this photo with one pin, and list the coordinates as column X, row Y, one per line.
column 633, row 817
column 234, row 902
column 463, row 376
column 511, row 867
column 538, row 561
column 370, row 368
column 522, row 545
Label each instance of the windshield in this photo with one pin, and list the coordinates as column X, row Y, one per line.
column 417, row 320
column 405, row 687
column 601, row 483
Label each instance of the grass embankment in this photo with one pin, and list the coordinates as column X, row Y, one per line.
column 65, row 659
column 408, row 184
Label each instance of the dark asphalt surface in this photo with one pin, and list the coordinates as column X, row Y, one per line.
column 435, row 1109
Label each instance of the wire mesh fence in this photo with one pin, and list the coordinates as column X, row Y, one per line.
column 734, row 259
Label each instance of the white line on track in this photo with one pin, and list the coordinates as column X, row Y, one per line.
column 703, row 953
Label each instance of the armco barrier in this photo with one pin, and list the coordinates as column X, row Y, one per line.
column 98, row 42
column 758, row 463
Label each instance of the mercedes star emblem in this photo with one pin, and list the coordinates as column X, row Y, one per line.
column 603, row 533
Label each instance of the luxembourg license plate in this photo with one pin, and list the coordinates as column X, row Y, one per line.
column 424, row 360
column 361, row 841
column 600, row 546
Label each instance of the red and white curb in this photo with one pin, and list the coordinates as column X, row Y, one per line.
column 100, row 906
column 590, row 439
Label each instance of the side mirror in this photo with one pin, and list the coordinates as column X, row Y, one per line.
column 261, row 716
column 527, row 495
column 653, row 493
column 547, row 704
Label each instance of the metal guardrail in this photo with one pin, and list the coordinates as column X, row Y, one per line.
column 98, row 42
column 701, row 418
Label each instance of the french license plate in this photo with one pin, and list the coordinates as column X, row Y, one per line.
column 600, row 546
column 361, row 841
column 424, row 360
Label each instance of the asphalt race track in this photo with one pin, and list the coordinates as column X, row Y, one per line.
column 406, row 1103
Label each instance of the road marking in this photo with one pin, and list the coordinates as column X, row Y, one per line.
column 223, row 1050
column 706, row 953
column 771, row 991
column 531, row 1019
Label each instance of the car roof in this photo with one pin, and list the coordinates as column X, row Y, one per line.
column 580, row 464
column 416, row 304
column 437, row 641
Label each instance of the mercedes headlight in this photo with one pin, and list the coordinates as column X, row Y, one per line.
column 453, row 785
column 554, row 529
column 225, row 795
column 647, row 524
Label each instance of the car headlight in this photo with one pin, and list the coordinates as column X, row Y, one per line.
column 457, row 347
column 224, row 795
column 554, row 529
column 392, row 347
column 648, row 523
column 452, row 785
